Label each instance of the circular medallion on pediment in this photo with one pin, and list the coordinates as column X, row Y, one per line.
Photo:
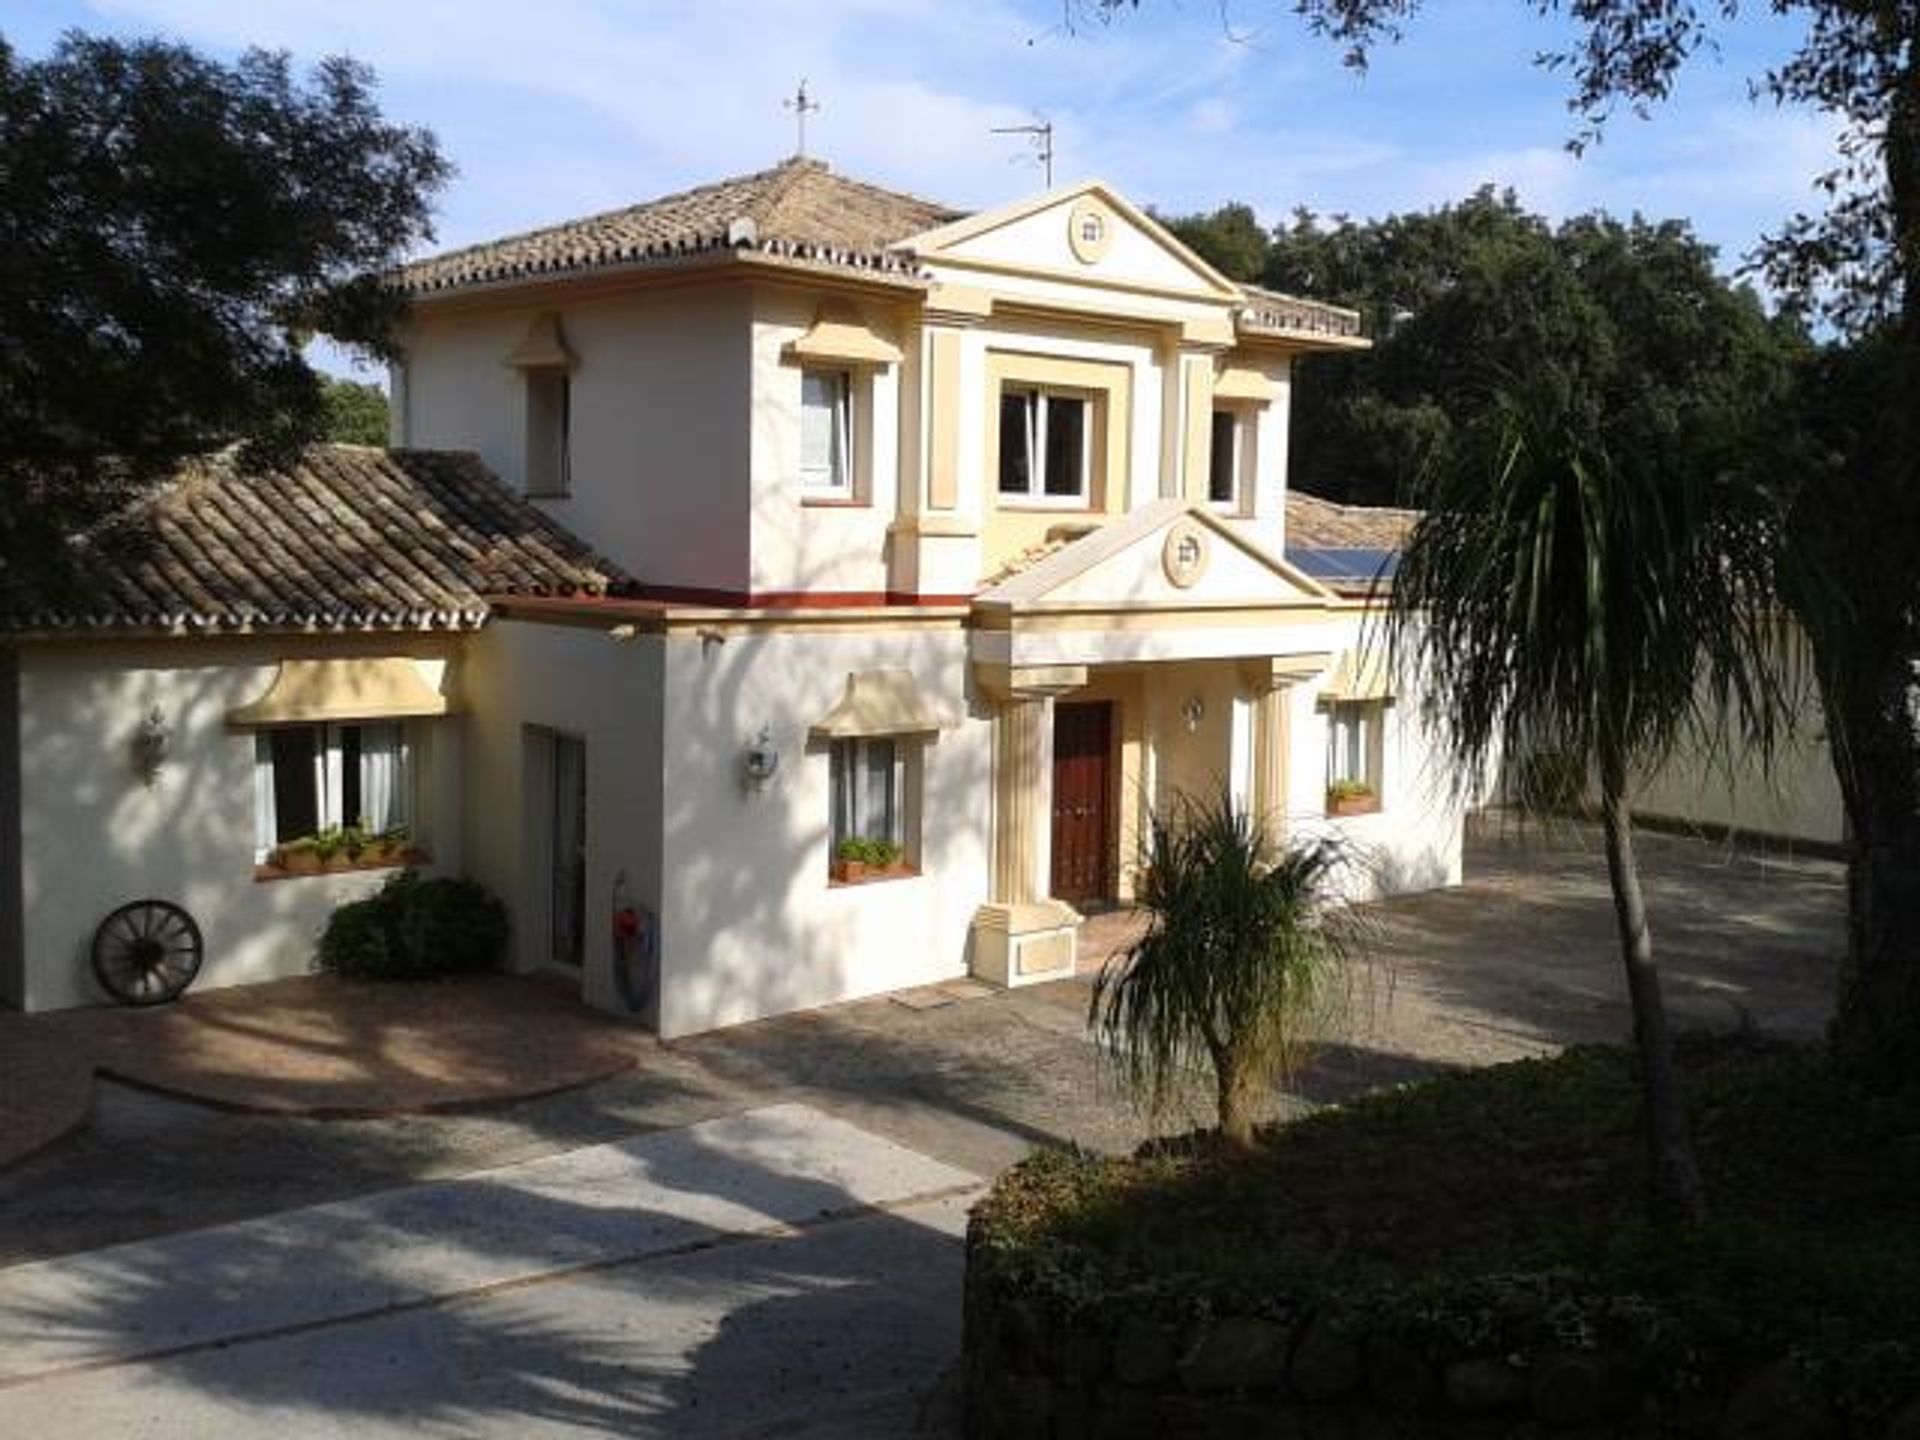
column 1184, row 556
column 1089, row 230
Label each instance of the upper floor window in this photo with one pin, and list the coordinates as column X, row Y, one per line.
column 549, row 431
column 1044, row 455
column 826, row 433
column 1227, row 461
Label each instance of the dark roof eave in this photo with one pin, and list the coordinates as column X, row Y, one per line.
column 884, row 270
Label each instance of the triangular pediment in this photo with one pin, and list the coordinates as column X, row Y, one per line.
column 1088, row 233
column 1165, row 555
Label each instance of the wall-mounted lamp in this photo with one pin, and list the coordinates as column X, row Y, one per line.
column 150, row 744
column 762, row 759
column 1193, row 712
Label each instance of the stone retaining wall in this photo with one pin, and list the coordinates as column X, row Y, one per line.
column 1035, row 1375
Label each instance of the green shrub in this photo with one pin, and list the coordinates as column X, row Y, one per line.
column 447, row 925
column 414, row 928
column 357, row 940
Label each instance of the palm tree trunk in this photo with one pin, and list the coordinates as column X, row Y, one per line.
column 1676, row 1193
column 1236, row 1095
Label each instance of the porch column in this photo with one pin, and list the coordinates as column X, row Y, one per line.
column 1270, row 682
column 1021, row 934
column 1022, row 747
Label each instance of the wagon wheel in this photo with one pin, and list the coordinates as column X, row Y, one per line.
column 147, row 952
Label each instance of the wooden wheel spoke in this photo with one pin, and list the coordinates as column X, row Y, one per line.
column 147, row 952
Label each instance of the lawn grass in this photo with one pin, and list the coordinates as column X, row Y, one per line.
column 1513, row 1197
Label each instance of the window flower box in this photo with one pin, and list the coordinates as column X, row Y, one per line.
column 1350, row 797
column 861, row 862
column 335, row 851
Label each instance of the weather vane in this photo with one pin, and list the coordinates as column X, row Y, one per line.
column 1041, row 134
column 802, row 105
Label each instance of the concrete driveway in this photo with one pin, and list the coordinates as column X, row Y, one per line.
column 1518, row 962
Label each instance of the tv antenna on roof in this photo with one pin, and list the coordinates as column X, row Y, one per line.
column 1041, row 135
column 802, row 105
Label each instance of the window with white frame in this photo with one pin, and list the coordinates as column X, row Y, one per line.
column 1226, row 461
column 1354, row 729
column 549, row 431
column 826, row 433
column 313, row 778
column 1045, row 455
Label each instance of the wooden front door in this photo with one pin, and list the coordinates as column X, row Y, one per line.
column 1082, row 774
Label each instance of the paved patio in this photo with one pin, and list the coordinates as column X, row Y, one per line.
column 1518, row 962
column 316, row 1046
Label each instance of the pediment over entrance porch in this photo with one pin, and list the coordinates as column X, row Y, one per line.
column 1165, row 554
column 1170, row 580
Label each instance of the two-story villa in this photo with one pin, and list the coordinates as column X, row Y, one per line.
column 833, row 516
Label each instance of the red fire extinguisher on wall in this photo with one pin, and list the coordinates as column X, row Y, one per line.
column 636, row 953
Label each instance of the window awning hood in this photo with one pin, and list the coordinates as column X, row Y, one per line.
column 878, row 702
column 1360, row 675
column 361, row 688
column 840, row 337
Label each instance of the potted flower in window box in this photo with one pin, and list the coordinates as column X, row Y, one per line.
column 857, row 859
column 330, row 845
column 389, row 846
column 295, row 857
column 1352, row 797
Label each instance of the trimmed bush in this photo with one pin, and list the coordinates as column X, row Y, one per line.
column 414, row 928
column 356, row 941
column 1472, row 1248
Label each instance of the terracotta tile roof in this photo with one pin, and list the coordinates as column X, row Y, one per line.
column 799, row 210
column 1316, row 524
column 1280, row 314
column 343, row 537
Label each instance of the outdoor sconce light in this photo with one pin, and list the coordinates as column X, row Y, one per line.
column 1193, row 712
column 762, row 759
column 150, row 744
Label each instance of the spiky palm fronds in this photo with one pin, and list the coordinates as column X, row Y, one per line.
column 1245, row 960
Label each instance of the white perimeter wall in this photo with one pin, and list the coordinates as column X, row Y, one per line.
column 660, row 411
column 750, row 925
column 1800, row 800
column 580, row 682
column 94, row 836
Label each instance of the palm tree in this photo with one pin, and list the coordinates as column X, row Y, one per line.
column 1573, row 615
column 1244, row 957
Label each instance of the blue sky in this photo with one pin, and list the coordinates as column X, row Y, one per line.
column 555, row 108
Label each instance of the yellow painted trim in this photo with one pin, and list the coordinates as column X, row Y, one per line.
column 543, row 347
column 1244, row 384
column 1199, row 425
column 363, row 688
column 958, row 303
column 840, row 337
column 943, row 423
column 1010, row 529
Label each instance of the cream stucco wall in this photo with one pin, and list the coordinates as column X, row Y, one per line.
column 661, row 431
column 578, row 681
column 94, row 836
column 750, row 924
column 810, row 544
